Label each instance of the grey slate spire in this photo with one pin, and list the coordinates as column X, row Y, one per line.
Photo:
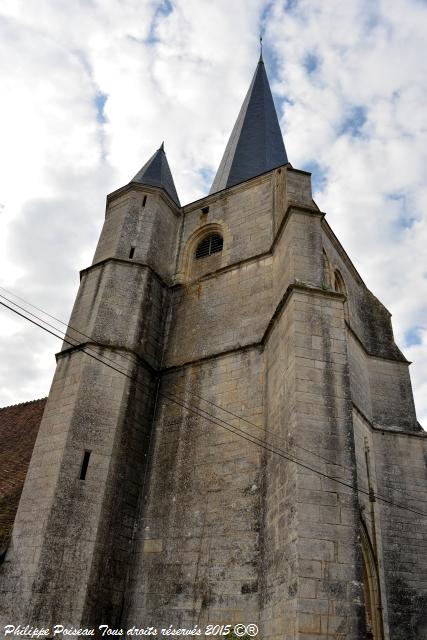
column 156, row 173
column 256, row 144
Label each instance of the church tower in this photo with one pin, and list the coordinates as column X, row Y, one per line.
column 230, row 436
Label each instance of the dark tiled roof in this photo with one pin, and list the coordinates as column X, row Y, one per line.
column 156, row 173
column 256, row 144
column 19, row 425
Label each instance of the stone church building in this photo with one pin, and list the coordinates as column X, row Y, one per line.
column 230, row 436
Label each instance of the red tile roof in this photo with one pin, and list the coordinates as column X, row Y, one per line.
column 19, row 425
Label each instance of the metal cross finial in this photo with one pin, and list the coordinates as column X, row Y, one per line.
column 260, row 47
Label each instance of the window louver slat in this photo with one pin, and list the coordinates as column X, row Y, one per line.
column 209, row 245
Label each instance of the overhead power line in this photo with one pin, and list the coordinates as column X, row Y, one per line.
column 187, row 391
column 219, row 422
column 125, row 356
column 106, row 358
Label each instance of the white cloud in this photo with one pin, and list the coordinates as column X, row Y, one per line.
column 180, row 76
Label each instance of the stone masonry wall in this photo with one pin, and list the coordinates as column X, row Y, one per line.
column 279, row 591
column 233, row 306
column 244, row 210
column 398, row 475
column 221, row 313
column 368, row 318
column 401, row 476
column 315, row 572
column 198, row 538
column 359, row 376
column 72, row 537
column 65, row 524
column 391, row 394
column 147, row 221
column 370, row 510
column 380, row 377
column 122, row 305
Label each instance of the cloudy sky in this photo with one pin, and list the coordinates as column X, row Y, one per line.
column 91, row 88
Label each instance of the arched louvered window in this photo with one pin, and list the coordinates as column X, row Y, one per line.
column 209, row 245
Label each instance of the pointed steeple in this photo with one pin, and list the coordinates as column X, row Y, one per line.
column 156, row 173
column 256, row 144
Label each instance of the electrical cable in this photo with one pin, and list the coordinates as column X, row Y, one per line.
column 235, row 430
column 127, row 357
column 202, row 413
column 231, row 428
column 186, row 390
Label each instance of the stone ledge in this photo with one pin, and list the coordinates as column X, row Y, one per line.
column 110, row 347
column 389, row 430
column 136, row 186
column 402, row 360
column 133, row 263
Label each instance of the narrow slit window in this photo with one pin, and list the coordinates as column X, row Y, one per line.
column 209, row 245
column 131, row 252
column 85, row 465
column 144, row 201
